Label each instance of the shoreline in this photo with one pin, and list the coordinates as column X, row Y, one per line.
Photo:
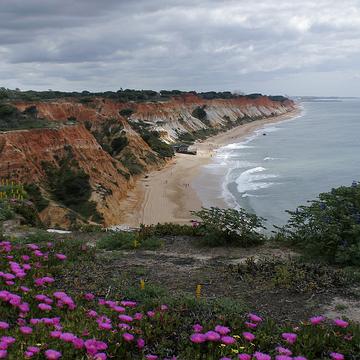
column 167, row 195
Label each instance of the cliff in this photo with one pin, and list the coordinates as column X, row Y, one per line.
column 104, row 144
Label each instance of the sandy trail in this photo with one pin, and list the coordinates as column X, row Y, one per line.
column 166, row 195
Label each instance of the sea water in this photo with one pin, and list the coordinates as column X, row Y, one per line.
column 284, row 165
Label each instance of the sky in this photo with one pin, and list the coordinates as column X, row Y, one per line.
column 307, row 47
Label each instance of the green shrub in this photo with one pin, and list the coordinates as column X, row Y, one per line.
column 230, row 227
column 129, row 160
column 200, row 114
column 328, row 228
column 128, row 241
column 126, row 112
column 294, row 274
column 35, row 196
column 168, row 229
column 118, row 144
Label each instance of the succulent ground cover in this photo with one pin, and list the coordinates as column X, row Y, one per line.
column 42, row 318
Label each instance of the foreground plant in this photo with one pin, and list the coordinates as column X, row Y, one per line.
column 41, row 321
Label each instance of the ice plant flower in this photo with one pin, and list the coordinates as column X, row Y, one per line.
column 26, row 330
column 283, row 351
column 289, row 337
column 222, row 330
column 128, row 337
column 261, row 356
column 255, row 318
column 198, row 328
column 337, row 356
column 316, row 320
column 4, row 325
column 341, row 323
column 244, row 356
column 228, row 340
column 212, row 336
column 248, row 336
column 60, row 256
column 283, row 357
column 52, row 354
column 198, row 338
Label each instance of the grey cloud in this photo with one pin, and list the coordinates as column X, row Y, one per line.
column 201, row 45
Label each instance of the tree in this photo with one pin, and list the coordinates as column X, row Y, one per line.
column 329, row 227
column 230, row 226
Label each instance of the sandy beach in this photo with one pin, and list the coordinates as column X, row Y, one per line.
column 167, row 195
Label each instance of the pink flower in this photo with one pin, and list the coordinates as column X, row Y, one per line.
column 33, row 349
column 341, row 323
column 151, row 357
column 283, row 351
column 26, row 330
column 283, row 357
column 250, row 325
column 337, row 356
column 261, row 356
column 67, row 337
column 52, row 354
column 212, row 336
column 228, row 340
column 140, row 343
column 128, row 337
column 100, row 356
column 44, row 307
column 125, row 318
column 316, row 320
column 198, row 338
column 3, row 354
column 89, row 296
column 4, row 325
column 78, row 343
column 254, row 318
column 105, row 326
column 248, row 336
column 60, row 256
column 222, row 330
column 289, row 337
column 197, row 328
column 138, row 316
column 128, row 303
column 244, row 356
column 150, row 314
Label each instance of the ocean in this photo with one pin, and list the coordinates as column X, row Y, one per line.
column 292, row 163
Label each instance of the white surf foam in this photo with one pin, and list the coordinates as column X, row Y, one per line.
column 251, row 180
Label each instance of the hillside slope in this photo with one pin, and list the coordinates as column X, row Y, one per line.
column 97, row 146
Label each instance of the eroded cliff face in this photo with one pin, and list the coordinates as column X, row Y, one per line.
column 108, row 146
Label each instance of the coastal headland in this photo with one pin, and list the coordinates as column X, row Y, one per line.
column 168, row 194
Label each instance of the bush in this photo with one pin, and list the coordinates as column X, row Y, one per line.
column 126, row 112
column 294, row 274
column 119, row 144
column 35, row 196
column 128, row 241
column 230, row 227
column 168, row 229
column 328, row 228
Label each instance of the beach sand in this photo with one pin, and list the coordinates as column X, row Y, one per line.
column 167, row 195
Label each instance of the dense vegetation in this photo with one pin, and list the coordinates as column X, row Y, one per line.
column 70, row 185
column 13, row 119
column 40, row 317
column 152, row 138
column 328, row 228
column 123, row 95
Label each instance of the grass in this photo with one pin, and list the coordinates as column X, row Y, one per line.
column 128, row 241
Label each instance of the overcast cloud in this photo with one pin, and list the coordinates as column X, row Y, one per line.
column 307, row 47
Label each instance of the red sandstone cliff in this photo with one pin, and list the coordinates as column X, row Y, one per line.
column 23, row 152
